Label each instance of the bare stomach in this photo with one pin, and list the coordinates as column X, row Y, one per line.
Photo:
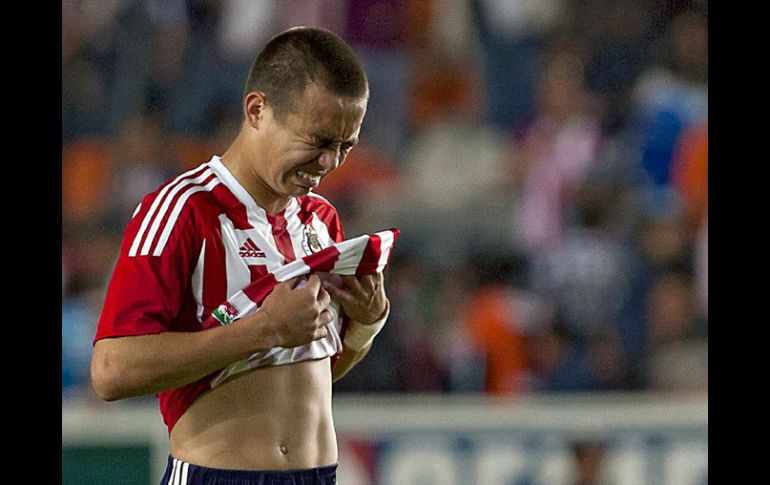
column 270, row 418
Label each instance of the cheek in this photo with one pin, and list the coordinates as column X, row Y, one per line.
column 288, row 164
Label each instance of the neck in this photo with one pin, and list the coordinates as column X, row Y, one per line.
column 241, row 163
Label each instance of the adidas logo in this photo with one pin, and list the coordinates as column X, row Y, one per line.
column 250, row 250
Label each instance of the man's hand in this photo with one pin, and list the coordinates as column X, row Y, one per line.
column 298, row 316
column 131, row 366
column 362, row 297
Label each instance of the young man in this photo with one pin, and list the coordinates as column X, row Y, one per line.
column 211, row 231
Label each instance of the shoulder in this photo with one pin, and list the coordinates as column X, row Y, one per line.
column 319, row 205
column 316, row 202
column 324, row 210
column 177, row 210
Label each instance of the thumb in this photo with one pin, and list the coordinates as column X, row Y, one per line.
column 314, row 284
column 338, row 295
column 291, row 283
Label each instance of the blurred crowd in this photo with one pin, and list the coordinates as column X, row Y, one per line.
column 546, row 161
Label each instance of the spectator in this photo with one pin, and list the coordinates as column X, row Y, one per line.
column 142, row 162
column 689, row 173
column 379, row 32
column 555, row 153
column 492, row 324
column 671, row 95
column 619, row 35
column 586, row 274
column 512, row 36
column 677, row 353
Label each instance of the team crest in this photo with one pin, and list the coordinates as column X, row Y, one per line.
column 310, row 241
column 225, row 313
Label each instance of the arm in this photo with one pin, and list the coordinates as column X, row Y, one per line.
column 348, row 360
column 130, row 366
column 363, row 300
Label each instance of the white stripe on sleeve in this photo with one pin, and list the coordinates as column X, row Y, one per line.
column 136, row 211
column 164, row 208
column 175, row 214
column 153, row 208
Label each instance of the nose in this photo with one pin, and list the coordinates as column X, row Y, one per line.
column 329, row 160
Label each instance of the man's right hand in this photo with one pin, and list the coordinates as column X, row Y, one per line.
column 298, row 315
column 131, row 366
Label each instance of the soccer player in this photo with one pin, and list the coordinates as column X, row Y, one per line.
column 208, row 233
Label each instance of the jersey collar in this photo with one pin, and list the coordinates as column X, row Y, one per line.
column 239, row 191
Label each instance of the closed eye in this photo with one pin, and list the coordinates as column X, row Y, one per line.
column 326, row 143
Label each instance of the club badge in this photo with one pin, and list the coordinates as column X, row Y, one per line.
column 310, row 240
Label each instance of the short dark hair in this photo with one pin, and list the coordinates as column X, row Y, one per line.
column 300, row 56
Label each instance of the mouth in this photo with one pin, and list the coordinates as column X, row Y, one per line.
column 311, row 179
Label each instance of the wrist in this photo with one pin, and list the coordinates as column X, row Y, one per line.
column 260, row 332
column 359, row 335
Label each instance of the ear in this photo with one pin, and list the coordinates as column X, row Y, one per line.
column 254, row 108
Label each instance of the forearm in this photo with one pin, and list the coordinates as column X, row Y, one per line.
column 348, row 360
column 357, row 342
column 146, row 364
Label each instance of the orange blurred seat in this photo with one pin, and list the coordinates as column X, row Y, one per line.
column 491, row 322
column 86, row 178
column 689, row 172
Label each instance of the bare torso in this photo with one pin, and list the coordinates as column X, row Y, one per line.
column 270, row 418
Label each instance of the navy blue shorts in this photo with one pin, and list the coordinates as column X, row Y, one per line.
column 179, row 472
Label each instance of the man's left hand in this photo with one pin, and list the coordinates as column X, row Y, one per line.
column 362, row 297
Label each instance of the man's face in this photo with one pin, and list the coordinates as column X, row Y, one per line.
column 310, row 143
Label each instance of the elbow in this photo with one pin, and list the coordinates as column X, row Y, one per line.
column 104, row 393
column 105, row 378
column 103, row 383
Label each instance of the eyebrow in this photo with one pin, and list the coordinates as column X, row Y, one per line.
column 325, row 140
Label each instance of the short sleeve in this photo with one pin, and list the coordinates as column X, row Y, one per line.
column 152, row 276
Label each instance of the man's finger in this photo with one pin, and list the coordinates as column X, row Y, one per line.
column 324, row 298
column 341, row 296
column 320, row 333
column 289, row 284
column 325, row 318
column 354, row 285
column 314, row 283
column 371, row 282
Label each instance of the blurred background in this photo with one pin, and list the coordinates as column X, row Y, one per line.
column 546, row 161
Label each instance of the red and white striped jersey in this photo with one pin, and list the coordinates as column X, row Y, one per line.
column 197, row 240
column 367, row 254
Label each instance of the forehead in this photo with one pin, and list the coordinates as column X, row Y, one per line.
column 322, row 113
